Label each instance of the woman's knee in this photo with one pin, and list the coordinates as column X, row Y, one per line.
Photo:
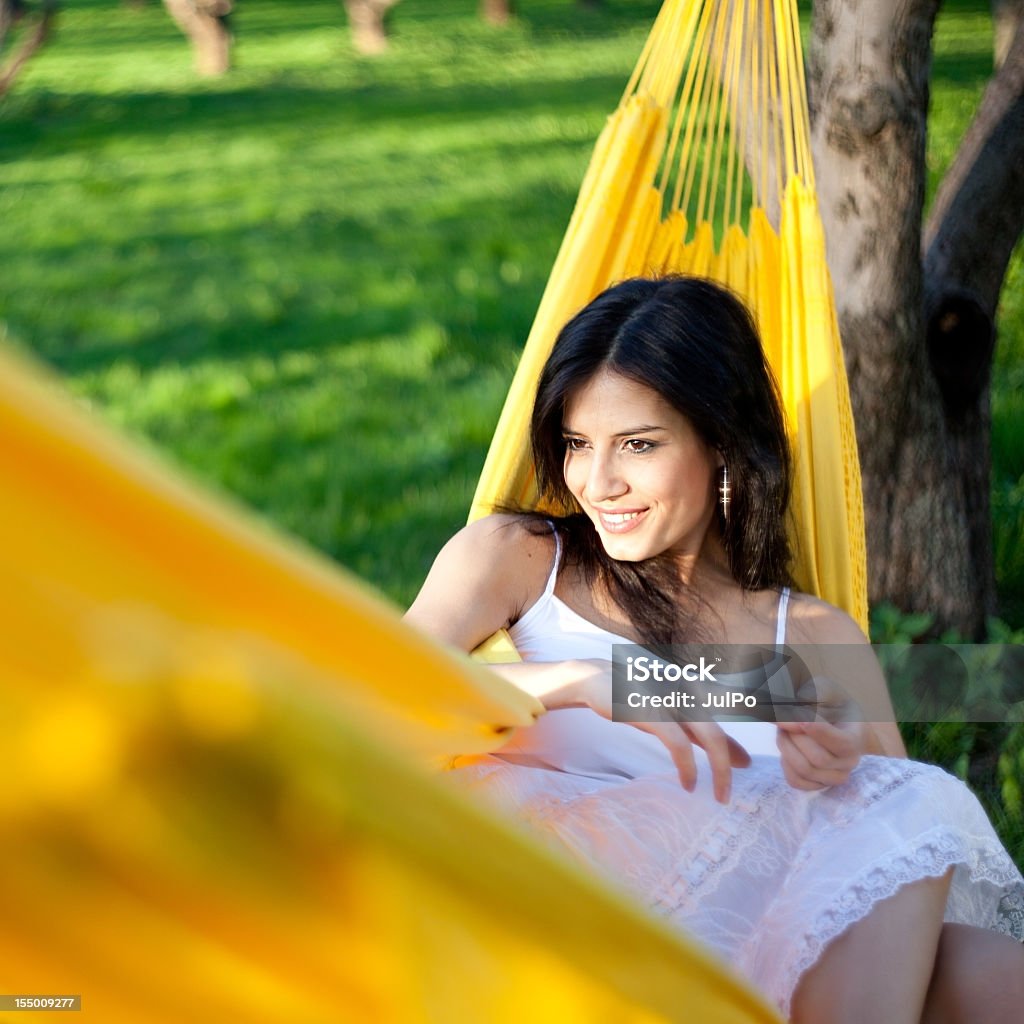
column 978, row 978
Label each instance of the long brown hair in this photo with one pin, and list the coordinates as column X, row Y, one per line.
column 696, row 345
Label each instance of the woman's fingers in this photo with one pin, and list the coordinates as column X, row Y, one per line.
column 843, row 757
column 841, row 739
column 721, row 750
column 795, row 766
column 807, row 765
column 679, row 747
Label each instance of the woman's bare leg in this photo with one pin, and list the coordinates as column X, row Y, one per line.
column 978, row 979
column 881, row 967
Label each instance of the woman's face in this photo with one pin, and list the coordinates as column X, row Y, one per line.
column 638, row 469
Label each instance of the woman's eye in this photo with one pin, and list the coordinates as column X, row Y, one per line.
column 638, row 445
column 575, row 444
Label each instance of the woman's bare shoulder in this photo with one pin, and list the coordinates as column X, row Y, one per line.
column 484, row 578
column 515, row 545
column 814, row 621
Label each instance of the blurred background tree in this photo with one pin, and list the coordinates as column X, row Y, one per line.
column 205, row 25
column 366, row 21
column 35, row 25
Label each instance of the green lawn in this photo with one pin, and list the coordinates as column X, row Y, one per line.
column 309, row 281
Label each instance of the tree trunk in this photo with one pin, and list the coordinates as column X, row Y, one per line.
column 35, row 37
column 918, row 331
column 497, row 12
column 366, row 20
column 868, row 73
column 204, row 23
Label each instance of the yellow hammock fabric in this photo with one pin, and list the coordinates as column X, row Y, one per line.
column 711, row 141
column 215, row 802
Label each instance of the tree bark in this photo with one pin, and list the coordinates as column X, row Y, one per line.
column 366, row 21
column 978, row 213
column 497, row 12
column 916, row 310
column 1007, row 15
column 204, row 23
column 34, row 39
column 868, row 72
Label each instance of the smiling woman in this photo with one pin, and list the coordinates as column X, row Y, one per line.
column 811, row 855
column 711, row 484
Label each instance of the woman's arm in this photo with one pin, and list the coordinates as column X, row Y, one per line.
column 842, row 654
column 848, row 679
column 484, row 578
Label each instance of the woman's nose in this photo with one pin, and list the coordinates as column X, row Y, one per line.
column 605, row 479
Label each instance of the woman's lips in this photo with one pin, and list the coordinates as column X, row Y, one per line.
column 621, row 521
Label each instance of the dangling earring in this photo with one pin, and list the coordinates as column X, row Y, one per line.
column 724, row 493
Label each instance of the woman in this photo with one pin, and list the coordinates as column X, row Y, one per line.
column 818, row 857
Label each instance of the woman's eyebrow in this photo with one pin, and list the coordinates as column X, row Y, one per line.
column 644, row 428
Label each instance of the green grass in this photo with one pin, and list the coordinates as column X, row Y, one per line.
column 309, row 281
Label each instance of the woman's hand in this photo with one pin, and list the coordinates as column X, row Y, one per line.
column 594, row 690
column 587, row 683
column 816, row 755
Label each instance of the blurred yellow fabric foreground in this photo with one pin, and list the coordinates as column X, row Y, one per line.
column 215, row 799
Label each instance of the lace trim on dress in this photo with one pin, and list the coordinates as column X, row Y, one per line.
column 931, row 859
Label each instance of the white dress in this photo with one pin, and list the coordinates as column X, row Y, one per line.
column 766, row 881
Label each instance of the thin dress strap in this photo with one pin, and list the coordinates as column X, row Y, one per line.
column 780, row 622
column 549, row 589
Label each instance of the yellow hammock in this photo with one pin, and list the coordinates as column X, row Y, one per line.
column 214, row 798
column 718, row 89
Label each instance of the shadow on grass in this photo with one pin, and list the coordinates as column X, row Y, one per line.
column 327, row 279
column 41, row 124
column 587, row 21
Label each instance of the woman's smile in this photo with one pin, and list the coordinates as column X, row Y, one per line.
column 620, row 522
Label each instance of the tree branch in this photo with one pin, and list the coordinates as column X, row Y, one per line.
column 1006, row 16
column 978, row 213
column 975, row 222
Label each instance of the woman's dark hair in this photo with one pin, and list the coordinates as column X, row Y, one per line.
column 696, row 345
